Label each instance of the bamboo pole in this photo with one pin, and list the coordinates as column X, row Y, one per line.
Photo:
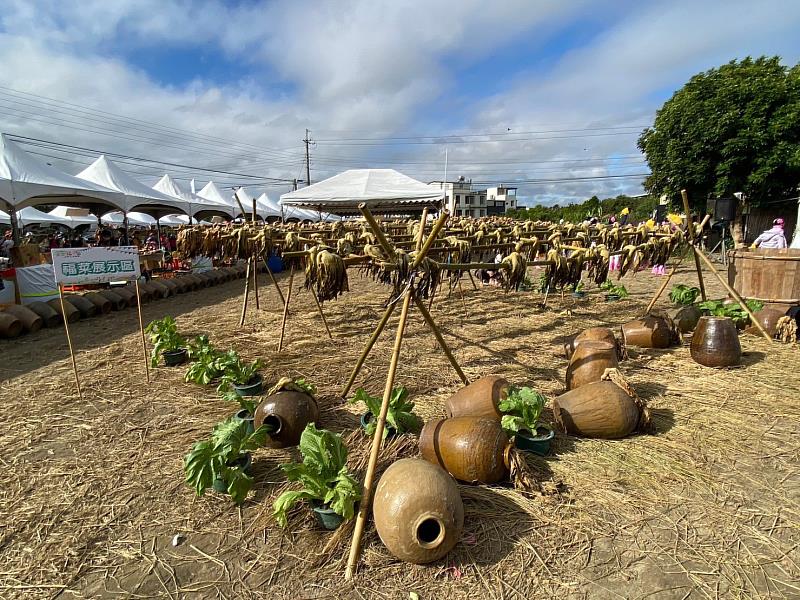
column 274, row 281
column 699, row 255
column 141, row 328
column 690, row 227
column 255, row 280
column 69, row 341
column 368, row 348
column 246, row 294
column 286, row 309
column 376, row 229
column 321, row 314
column 432, row 324
column 472, row 279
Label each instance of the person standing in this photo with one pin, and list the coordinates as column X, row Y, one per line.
column 772, row 238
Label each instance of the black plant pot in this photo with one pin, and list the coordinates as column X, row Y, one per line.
column 245, row 461
column 244, row 415
column 368, row 417
column 174, row 358
column 538, row 444
column 254, row 387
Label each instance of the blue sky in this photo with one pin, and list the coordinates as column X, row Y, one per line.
column 233, row 86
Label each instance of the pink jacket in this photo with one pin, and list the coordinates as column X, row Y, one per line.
column 771, row 238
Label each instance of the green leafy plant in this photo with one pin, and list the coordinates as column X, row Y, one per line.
column 736, row 313
column 237, row 372
column 613, row 289
column 220, row 457
column 164, row 336
column 248, row 403
column 521, row 410
column 543, row 285
column 308, row 387
column 323, row 475
column 208, row 365
column 200, row 347
column 399, row 415
column 576, row 287
column 683, row 294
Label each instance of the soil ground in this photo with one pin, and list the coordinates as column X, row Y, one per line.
column 92, row 493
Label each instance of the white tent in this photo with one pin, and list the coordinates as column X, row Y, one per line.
column 383, row 190
column 178, row 220
column 264, row 208
column 27, row 181
column 213, row 194
column 32, row 216
column 134, row 218
column 74, row 217
column 137, row 194
column 167, row 185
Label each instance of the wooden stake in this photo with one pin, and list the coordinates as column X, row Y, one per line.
column 377, row 439
column 432, row 324
column 690, row 227
column 255, row 280
column 274, row 281
column 246, row 294
column 141, row 328
column 699, row 255
column 472, row 279
column 321, row 314
column 286, row 309
column 368, row 348
column 69, row 341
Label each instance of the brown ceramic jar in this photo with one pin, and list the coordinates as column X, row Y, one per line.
column 287, row 413
column 597, row 410
column 479, row 399
column 648, row 332
column 715, row 343
column 49, row 316
column 589, row 362
column 593, row 334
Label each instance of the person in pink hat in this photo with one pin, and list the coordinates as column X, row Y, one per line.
column 772, row 238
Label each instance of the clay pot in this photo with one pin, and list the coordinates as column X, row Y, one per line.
column 593, row 334
column 479, row 399
column 287, row 413
column 87, row 308
column 597, row 410
column 162, row 291
column 589, row 362
column 195, row 282
column 10, row 326
column 72, row 314
column 172, row 285
column 50, row 318
column 101, row 302
column 31, row 322
column 686, row 318
column 117, row 301
column 127, row 294
column 768, row 318
column 648, row 332
column 715, row 343
column 471, row 449
column 418, row 511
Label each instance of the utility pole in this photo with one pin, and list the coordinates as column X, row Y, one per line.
column 307, row 140
column 295, row 184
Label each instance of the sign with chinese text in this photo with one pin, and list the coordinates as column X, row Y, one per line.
column 79, row 266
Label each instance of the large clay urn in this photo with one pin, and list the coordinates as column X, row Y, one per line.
column 286, row 413
column 589, row 361
column 597, row 410
column 418, row 511
column 593, row 334
column 715, row 343
column 479, row 399
column 31, row 321
column 10, row 326
column 768, row 318
column 162, row 290
column 686, row 318
column 87, row 308
column 648, row 332
column 71, row 313
column 50, row 317
column 101, row 302
column 471, row 449
column 117, row 301
column 127, row 294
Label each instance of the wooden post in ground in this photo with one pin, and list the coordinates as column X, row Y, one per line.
column 432, row 324
column 321, row 314
column 286, row 309
column 274, row 281
column 690, row 227
column 374, row 338
column 141, row 328
column 255, row 280
column 246, row 294
column 69, row 341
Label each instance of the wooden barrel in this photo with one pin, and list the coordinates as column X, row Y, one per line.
column 72, row 314
column 10, row 326
column 50, row 318
column 767, row 274
column 31, row 322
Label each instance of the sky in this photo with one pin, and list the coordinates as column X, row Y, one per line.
column 548, row 96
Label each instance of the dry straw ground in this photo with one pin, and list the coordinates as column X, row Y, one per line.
column 91, row 493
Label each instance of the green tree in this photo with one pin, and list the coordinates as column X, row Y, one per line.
column 731, row 129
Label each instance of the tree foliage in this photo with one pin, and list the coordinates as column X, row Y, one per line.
column 640, row 209
column 735, row 128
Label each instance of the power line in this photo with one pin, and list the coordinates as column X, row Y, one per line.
column 456, row 141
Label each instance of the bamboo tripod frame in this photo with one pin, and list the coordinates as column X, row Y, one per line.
column 408, row 296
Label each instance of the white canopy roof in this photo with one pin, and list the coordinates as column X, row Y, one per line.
column 264, row 208
column 134, row 219
column 167, row 185
column 384, row 189
column 213, row 194
column 137, row 194
column 27, row 181
column 33, row 216
column 73, row 216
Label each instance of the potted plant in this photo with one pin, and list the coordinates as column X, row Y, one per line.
column 167, row 342
column 400, row 417
column 208, row 363
column 721, row 308
column 683, row 295
column 242, row 376
column 223, row 461
column 521, row 409
column 614, row 292
column 326, row 483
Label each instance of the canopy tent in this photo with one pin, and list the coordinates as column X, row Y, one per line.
column 214, row 195
column 197, row 205
column 178, row 220
column 262, row 210
column 33, row 216
column 382, row 190
column 75, row 217
column 138, row 197
column 136, row 219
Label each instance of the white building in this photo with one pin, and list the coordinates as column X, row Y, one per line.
column 501, row 199
column 461, row 200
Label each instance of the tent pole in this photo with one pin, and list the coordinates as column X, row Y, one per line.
column 125, row 225
column 12, row 213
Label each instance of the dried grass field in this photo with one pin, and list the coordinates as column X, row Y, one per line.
column 92, row 493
